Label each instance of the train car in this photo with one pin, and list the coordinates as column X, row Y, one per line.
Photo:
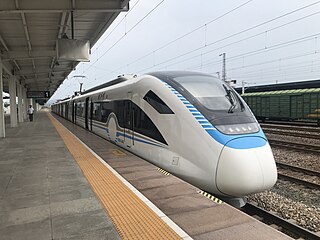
column 289, row 105
column 192, row 125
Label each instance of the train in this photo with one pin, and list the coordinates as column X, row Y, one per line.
column 287, row 105
column 192, row 125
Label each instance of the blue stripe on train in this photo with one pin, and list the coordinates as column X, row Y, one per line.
column 136, row 139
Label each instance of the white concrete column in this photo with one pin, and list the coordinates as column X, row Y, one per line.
column 34, row 104
column 20, row 107
column 25, row 102
column 13, row 103
column 2, row 126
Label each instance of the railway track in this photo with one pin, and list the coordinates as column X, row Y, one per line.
column 294, row 134
column 291, row 127
column 287, row 226
column 298, row 180
column 298, row 169
column 292, row 123
column 295, row 146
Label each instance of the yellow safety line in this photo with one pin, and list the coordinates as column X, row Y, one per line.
column 211, row 197
column 132, row 218
column 163, row 172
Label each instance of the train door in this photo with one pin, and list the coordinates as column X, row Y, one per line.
column 74, row 115
column 90, row 114
column 128, row 120
column 86, row 113
column 67, row 109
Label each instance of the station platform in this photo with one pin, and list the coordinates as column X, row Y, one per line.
column 67, row 183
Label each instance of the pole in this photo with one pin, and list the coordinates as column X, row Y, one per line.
column 2, row 126
column 20, row 107
column 243, row 87
column 13, row 101
column 72, row 25
column 25, row 112
column 223, row 66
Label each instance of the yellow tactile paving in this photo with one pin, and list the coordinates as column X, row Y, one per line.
column 132, row 218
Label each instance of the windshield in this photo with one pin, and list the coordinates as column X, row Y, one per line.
column 211, row 92
column 213, row 98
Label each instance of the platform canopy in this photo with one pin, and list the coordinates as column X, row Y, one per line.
column 29, row 30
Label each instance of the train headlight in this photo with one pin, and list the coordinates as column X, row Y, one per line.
column 242, row 128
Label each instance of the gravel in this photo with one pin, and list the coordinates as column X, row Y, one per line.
column 300, row 175
column 304, row 215
column 309, row 141
column 297, row 193
column 290, row 200
column 300, row 159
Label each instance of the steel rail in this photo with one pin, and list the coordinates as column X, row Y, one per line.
column 292, row 123
column 291, row 127
column 299, row 181
column 295, row 134
column 285, row 224
column 295, row 146
column 298, row 169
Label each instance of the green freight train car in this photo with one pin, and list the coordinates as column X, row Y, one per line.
column 290, row 105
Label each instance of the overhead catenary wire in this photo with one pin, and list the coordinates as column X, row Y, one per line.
column 286, row 72
column 286, row 75
column 247, row 54
column 110, row 33
column 276, row 60
column 255, row 52
column 278, row 68
column 127, row 32
column 230, row 36
column 259, row 51
column 261, row 72
column 271, row 20
column 222, row 39
column 247, row 29
column 187, row 34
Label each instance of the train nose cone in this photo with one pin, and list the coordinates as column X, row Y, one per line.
column 246, row 165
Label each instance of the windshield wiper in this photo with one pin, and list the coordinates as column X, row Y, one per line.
column 230, row 97
column 240, row 102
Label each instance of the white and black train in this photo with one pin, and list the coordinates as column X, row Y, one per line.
column 192, row 125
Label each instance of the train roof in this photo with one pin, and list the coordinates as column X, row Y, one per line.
column 120, row 79
column 283, row 92
column 123, row 78
column 173, row 74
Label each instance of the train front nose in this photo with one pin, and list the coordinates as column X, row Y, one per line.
column 246, row 165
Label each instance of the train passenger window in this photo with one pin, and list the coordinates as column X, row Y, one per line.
column 144, row 125
column 118, row 109
column 83, row 112
column 106, row 109
column 96, row 112
column 157, row 103
column 80, row 111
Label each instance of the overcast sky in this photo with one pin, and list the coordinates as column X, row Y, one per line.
column 273, row 50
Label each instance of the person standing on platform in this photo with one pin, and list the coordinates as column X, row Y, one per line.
column 30, row 112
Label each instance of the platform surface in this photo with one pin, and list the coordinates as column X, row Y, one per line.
column 43, row 193
column 196, row 215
